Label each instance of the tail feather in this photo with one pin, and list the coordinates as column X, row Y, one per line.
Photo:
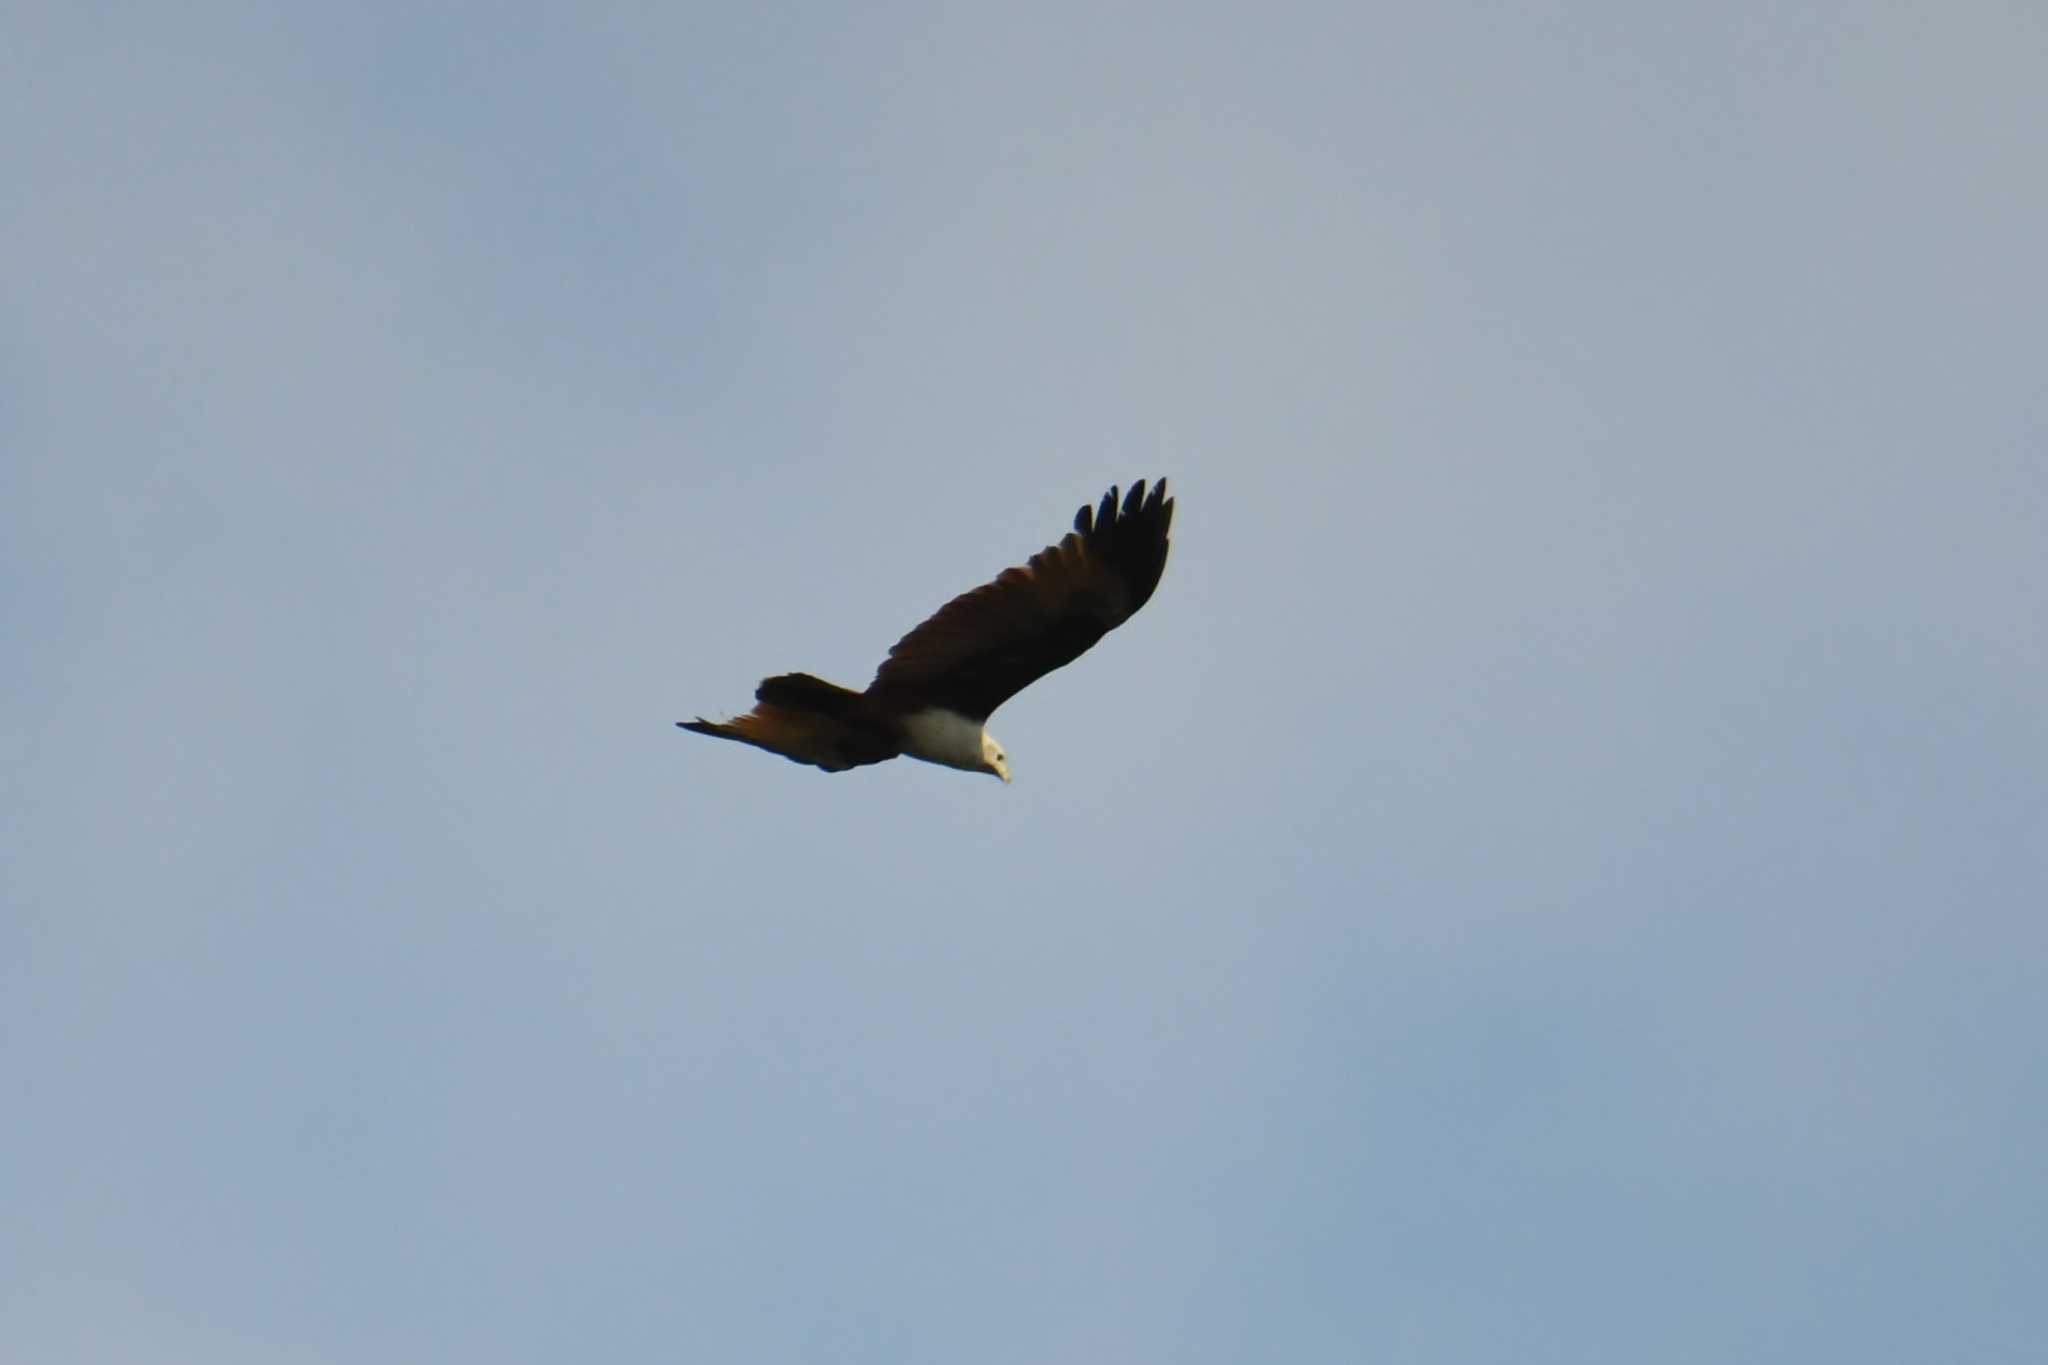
column 806, row 720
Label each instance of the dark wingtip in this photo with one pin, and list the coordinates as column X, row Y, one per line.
column 1147, row 498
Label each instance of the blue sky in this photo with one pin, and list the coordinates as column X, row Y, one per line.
column 1556, row 873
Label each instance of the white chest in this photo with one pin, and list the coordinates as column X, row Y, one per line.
column 942, row 737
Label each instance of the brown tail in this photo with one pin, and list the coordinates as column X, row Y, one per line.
column 806, row 720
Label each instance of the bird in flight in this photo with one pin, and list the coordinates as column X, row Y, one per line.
column 933, row 695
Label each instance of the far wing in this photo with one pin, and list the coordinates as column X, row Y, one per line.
column 985, row 646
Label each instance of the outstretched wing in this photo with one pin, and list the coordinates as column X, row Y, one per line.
column 985, row 646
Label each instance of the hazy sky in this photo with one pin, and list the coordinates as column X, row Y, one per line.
column 1557, row 873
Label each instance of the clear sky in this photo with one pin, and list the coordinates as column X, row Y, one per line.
column 1557, row 873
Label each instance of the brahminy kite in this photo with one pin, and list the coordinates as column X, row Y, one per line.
column 932, row 696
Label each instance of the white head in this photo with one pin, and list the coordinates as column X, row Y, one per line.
column 992, row 759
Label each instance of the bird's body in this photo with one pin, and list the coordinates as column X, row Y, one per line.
column 932, row 696
column 937, row 735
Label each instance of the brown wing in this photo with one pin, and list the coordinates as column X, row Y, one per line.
column 985, row 646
